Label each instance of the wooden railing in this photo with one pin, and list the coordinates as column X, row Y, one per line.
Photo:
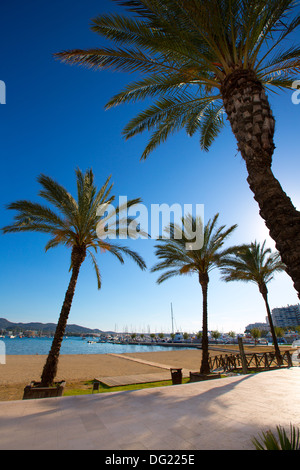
column 266, row 360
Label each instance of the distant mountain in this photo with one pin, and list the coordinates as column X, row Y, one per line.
column 47, row 327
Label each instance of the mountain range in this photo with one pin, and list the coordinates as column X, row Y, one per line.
column 47, row 327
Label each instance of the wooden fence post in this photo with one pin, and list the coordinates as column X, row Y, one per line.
column 289, row 359
column 266, row 361
column 243, row 357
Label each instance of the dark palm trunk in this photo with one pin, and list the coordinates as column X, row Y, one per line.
column 253, row 124
column 50, row 368
column 264, row 292
column 204, row 369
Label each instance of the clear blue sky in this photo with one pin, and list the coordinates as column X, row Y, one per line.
column 54, row 121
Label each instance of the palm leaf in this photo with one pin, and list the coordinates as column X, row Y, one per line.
column 251, row 263
column 97, row 270
column 183, row 51
column 57, row 195
column 173, row 251
column 270, row 441
column 76, row 225
column 211, row 125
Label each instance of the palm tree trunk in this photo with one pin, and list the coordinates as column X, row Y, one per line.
column 253, row 124
column 264, row 292
column 204, row 369
column 50, row 367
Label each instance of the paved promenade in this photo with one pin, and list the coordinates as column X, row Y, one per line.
column 219, row 414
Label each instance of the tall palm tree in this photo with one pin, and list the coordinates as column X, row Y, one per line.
column 255, row 263
column 178, row 260
column 202, row 59
column 75, row 225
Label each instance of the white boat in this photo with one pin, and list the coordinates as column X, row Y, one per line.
column 178, row 338
column 296, row 353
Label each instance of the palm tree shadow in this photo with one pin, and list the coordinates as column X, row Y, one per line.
column 196, row 405
column 217, row 392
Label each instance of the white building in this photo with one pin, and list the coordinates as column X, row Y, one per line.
column 286, row 316
column 259, row 326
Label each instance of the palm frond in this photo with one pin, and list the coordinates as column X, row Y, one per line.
column 127, row 60
column 189, row 47
column 74, row 222
column 251, row 263
column 31, row 212
column 168, row 275
column 211, row 125
column 134, row 256
column 97, row 270
column 173, row 252
column 57, row 195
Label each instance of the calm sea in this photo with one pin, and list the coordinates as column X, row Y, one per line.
column 74, row 345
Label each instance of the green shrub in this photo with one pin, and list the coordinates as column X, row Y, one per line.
column 269, row 441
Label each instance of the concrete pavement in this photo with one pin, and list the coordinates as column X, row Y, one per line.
column 212, row 415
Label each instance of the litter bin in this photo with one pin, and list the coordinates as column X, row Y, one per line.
column 176, row 376
column 96, row 385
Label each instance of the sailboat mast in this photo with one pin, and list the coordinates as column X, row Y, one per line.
column 172, row 318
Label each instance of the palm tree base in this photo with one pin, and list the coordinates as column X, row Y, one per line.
column 36, row 390
column 198, row 377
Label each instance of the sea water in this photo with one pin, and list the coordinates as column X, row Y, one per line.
column 76, row 345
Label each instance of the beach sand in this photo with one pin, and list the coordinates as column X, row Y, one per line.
column 21, row 370
column 75, row 367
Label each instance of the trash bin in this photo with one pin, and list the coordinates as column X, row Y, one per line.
column 96, row 385
column 176, row 376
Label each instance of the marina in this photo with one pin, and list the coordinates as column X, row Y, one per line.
column 89, row 345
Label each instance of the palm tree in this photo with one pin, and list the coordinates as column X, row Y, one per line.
column 200, row 59
column 75, row 225
column 178, row 260
column 255, row 263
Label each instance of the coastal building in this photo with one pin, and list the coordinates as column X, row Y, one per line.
column 286, row 316
column 259, row 326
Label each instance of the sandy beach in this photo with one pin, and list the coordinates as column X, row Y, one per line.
column 21, row 370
